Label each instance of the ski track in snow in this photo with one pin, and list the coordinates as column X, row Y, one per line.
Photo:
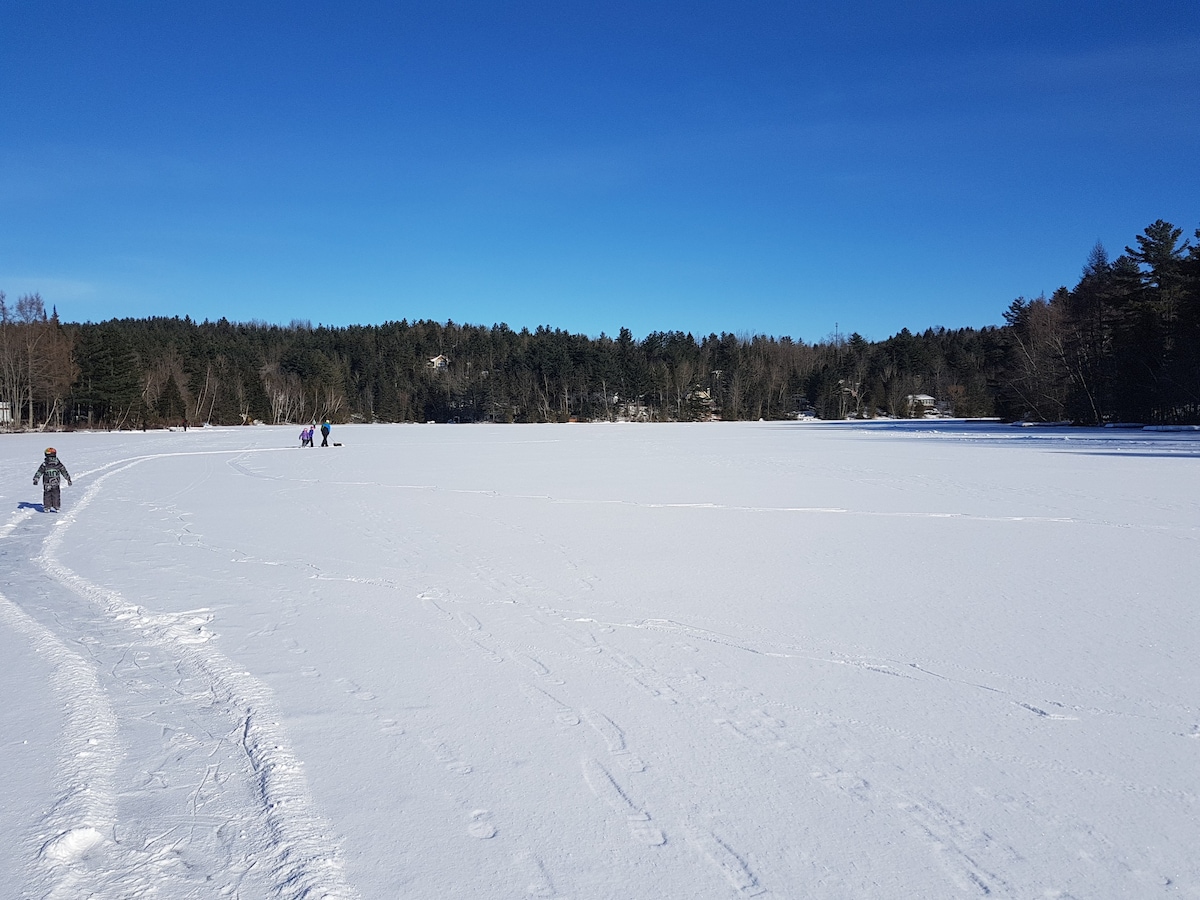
column 228, row 791
column 86, row 764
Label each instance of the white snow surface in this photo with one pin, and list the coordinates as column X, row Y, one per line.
column 791, row 660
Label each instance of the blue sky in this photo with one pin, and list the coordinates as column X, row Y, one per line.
column 759, row 167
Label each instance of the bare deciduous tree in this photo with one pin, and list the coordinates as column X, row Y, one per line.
column 36, row 363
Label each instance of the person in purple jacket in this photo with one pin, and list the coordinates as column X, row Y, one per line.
column 51, row 472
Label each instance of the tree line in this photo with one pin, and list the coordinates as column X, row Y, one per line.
column 1122, row 345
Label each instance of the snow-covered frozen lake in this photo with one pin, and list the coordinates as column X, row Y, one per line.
column 793, row 660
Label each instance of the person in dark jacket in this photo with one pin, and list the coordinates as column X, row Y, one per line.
column 325, row 429
column 51, row 472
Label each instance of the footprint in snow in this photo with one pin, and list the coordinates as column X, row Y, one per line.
column 72, row 845
column 481, row 826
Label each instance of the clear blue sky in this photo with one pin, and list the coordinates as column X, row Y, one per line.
column 750, row 166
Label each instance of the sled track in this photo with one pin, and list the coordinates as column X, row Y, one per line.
column 296, row 854
column 86, row 801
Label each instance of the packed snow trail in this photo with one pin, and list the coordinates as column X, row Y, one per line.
column 226, row 809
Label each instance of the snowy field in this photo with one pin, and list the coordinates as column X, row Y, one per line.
column 603, row 661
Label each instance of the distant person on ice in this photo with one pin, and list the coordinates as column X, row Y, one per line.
column 51, row 471
column 325, row 429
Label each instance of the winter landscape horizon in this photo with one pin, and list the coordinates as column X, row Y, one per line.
column 925, row 659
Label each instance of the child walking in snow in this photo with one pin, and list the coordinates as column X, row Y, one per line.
column 51, row 471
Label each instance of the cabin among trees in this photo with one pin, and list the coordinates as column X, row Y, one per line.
column 921, row 405
column 1123, row 345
